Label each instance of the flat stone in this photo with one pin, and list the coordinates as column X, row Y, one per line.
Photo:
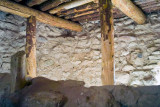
column 128, row 68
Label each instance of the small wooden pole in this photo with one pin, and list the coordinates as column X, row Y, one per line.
column 107, row 41
column 31, row 47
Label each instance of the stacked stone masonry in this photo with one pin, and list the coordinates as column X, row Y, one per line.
column 64, row 55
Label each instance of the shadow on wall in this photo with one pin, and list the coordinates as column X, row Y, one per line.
column 48, row 93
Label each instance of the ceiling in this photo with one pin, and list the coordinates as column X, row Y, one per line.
column 86, row 12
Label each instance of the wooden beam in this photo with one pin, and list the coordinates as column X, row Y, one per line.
column 107, row 41
column 31, row 47
column 78, row 9
column 52, row 4
column 131, row 10
column 69, row 5
column 14, row 8
column 31, row 3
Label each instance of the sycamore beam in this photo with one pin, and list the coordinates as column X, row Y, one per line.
column 23, row 11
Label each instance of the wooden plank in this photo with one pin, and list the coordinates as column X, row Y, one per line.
column 52, row 4
column 14, row 8
column 107, row 41
column 31, row 47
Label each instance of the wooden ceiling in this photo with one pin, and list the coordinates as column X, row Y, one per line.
column 87, row 12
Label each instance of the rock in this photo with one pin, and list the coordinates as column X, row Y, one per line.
column 128, row 68
column 62, row 93
column 149, row 101
column 126, row 96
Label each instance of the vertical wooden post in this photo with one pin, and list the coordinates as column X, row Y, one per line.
column 31, row 47
column 107, row 41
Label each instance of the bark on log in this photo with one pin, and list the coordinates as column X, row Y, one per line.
column 31, row 47
column 131, row 10
column 14, row 8
column 52, row 4
column 107, row 41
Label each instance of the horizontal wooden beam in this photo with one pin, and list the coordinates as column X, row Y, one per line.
column 70, row 5
column 78, row 9
column 14, row 8
column 52, row 4
column 34, row 2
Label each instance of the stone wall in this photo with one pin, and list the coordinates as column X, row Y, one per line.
column 62, row 54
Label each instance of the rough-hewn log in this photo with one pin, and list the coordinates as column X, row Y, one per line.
column 81, row 14
column 92, row 6
column 131, row 10
column 86, row 17
column 31, row 3
column 14, row 8
column 107, row 41
column 31, row 47
column 78, row 9
column 148, row 7
column 52, row 4
column 69, row 5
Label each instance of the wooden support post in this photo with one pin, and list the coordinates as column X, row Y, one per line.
column 107, row 39
column 31, row 47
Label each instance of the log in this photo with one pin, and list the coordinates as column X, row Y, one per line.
column 69, row 5
column 107, row 41
column 52, row 4
column 31, row 47
column 14, row 8
column 81, row 14
column 31, row 3
column 131, row 10
column 78, row 9
column 96, row 14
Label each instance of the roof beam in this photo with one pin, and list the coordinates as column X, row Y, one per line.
column 14, row 8
column 131, row 10
column 126, row 6
column 70, row 5
column 52, row 4
column 34, row 2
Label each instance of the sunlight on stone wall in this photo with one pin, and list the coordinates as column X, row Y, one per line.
column 62, row 54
